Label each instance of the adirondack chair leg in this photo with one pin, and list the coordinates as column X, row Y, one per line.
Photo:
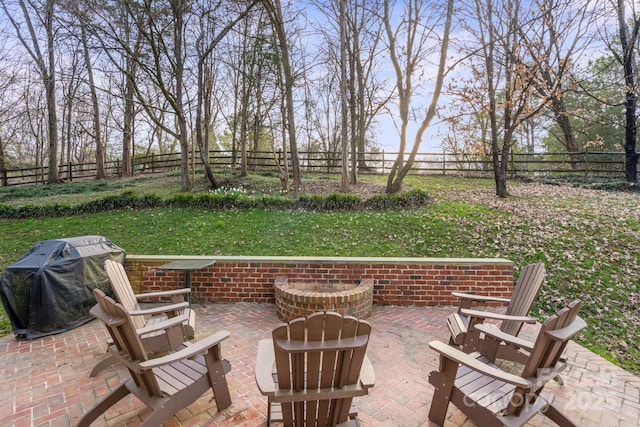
column 217, row 371
column 471, row 340
column 105, row 404
column 442, row 380
column 158, row 416
column 490, row 348
column 102, row 365
column 557, row 417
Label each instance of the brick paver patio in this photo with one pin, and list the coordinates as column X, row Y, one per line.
column 45, row 382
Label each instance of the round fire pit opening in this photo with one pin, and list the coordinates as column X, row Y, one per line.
column 299, row 299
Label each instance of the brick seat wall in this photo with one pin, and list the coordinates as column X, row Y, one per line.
column 397, row 281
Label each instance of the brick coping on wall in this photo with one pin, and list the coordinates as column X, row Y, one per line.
column 397, row 281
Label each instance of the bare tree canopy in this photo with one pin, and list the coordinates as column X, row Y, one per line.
column 133, row 78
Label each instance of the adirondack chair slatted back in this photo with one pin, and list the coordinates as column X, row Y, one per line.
column 524, row 293
column 122, row 288
column 322, row 352
column 549, row 346
column 123, row 332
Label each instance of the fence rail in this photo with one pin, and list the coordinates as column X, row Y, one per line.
column 590, row 164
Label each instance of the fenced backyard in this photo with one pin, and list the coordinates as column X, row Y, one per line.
column 587, row 164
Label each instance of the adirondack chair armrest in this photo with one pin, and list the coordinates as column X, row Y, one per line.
column 187, row 352
column 494, row 332
column 162, row 309
column 479, row 298
column 470, row 361
column 496, row 316
column 264, row 367
column 367, row 374
column 567, row 332
column 181, row 291
column 161, row 326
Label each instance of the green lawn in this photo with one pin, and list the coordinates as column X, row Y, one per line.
column 588, row 239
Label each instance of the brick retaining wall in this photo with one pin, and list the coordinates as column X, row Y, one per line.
column 397, row 281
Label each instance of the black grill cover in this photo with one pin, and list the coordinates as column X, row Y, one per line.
column 50, row 288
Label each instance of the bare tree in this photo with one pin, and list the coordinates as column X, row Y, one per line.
column 344, row 101
column 205, row 49
column 70, row 85
column 133, row 42
column 124, row 27
column 554, row 47
column 7, row 114
column 501, row 65
column 406, row 59
column 95, row 105
column 275, row 13
column 45, row 63
column 353, row 28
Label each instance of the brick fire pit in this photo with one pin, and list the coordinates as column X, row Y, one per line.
column 298, row 299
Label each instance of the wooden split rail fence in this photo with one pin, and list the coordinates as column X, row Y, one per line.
column 591, row 164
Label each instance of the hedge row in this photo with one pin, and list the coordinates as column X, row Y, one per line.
column 131, row 200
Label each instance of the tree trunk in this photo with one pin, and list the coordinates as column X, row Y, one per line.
column 183, row 135
column 243, row 134
column 202, row 128
column 284, row 169
column 288, row 88
column 628, row 43
column 97, row 134
column 353, row 113
column 3, row 165
column 50, row 88
column 344, row 102
column 67, row 121
column 129, row 112
column 500, row 165
column 562, row 119
column 128, row 117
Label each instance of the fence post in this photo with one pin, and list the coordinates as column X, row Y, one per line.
column 444, row 162
column 586, row 162
column 511, row 156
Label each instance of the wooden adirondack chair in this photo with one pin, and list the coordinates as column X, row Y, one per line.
column 490, row 396
column 156, row 341
column 165, row 384
column 320, row 366
column 462, row 323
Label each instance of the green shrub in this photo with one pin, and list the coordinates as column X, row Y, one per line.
column 334, row 201
column 220, row 200
column 408, row 199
